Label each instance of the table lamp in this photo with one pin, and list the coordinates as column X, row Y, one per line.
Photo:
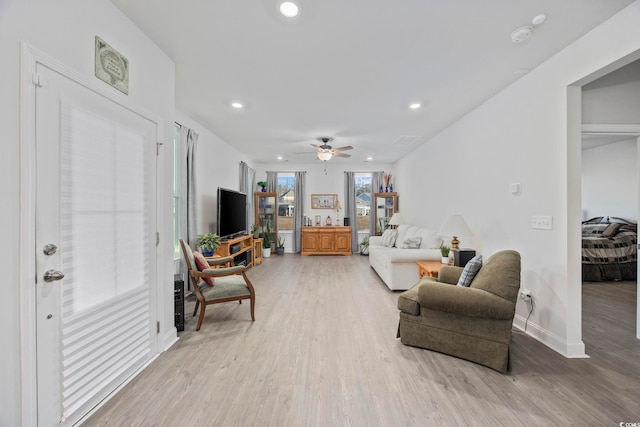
column 396, row 220
column 455, row 226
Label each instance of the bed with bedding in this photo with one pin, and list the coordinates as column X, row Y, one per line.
column 609, row 249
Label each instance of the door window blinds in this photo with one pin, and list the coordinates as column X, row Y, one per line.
column 105, row 186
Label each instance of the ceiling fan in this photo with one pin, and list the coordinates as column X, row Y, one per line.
column 325, row 151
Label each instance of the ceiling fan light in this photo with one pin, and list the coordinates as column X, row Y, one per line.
column 289, row 9
column 324, row 155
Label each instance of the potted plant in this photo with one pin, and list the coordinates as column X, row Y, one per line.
column 280, row 246
column 364, row 246
column 208, row 243
column 266, row 242
column 444, row 251
column 254, row 231
column 263, row 185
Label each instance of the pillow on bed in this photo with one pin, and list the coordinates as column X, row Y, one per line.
column 593, row 230
column 611, row 230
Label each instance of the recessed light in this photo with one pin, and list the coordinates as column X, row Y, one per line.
column 415, row 105
column 289, row 9
column 369, row 158
column 236, row 105
column 279, row 157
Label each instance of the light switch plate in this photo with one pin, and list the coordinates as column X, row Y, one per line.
column 542, row 222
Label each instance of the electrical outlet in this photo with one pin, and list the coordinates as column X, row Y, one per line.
column 525, row 295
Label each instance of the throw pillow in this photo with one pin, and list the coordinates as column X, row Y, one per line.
column 412, row 243
column 470, row 271
column 202, row 265
column 611, row 230
column 389, row 237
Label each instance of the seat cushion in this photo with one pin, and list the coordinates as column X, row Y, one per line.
column 226, row 287
column 408, row 301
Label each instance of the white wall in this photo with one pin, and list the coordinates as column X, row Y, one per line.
column 610, row 180
column 613, row 98
column 320, row 183
column 218, row 166
column 521, row 135
column 65, row 30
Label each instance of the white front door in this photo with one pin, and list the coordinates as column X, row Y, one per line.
column 95, row 246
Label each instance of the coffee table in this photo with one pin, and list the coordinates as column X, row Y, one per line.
column 429, row 268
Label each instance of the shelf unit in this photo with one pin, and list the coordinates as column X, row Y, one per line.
column 257, row 251
column 385, row 205
column 244, row 254
column 266, row 206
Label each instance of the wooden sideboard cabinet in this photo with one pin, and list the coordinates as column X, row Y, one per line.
column 327, row 240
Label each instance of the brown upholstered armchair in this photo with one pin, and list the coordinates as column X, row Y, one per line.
column 471, row 323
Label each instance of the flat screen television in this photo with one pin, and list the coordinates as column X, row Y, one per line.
column 232, row 213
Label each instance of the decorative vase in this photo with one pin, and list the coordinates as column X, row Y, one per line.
column 386, row 189
column 445, row 260
column 264, row 189
column 380, row 188
column 279, row 251
column 207, row 252
column 391, row 188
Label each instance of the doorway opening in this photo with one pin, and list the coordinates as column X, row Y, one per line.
column 592, row 122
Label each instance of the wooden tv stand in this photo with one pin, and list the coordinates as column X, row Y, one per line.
column 326, row 240
column 246, row 244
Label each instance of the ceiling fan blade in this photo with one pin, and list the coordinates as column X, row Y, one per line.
column 316, row 146
column 341, row 155
column 306, row 152
column 345, row 148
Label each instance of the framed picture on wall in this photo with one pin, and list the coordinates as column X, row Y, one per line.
column 324, row 201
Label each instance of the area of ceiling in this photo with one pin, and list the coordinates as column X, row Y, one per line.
column 350, row 69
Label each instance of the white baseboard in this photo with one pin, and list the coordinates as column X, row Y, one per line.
column 169, row 339
column 554, row 342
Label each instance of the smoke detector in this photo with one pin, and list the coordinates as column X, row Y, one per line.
column 521, row 34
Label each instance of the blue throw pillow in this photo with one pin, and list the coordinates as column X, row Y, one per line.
column 470, row 271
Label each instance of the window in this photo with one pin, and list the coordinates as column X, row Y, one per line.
column 286, row 198
column 363, row 201
column 176, row 191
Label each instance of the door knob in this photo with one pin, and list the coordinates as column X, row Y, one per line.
column 52, row 275
column 49, row 249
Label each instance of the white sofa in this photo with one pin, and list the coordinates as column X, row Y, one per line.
column 397, row 266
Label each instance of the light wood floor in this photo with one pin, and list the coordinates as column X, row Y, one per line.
column 323, row 352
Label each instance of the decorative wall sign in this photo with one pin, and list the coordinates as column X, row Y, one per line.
column 112, row 67
column 324, row 201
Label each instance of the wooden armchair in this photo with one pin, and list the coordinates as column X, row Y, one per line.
column 230, row 283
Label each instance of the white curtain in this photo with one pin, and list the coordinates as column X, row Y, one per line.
column 350, row 206
column 272, row 181
column 298, row 209
column 189, row 195
column 247, row 183
column 376, row 186
column 189, row 143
